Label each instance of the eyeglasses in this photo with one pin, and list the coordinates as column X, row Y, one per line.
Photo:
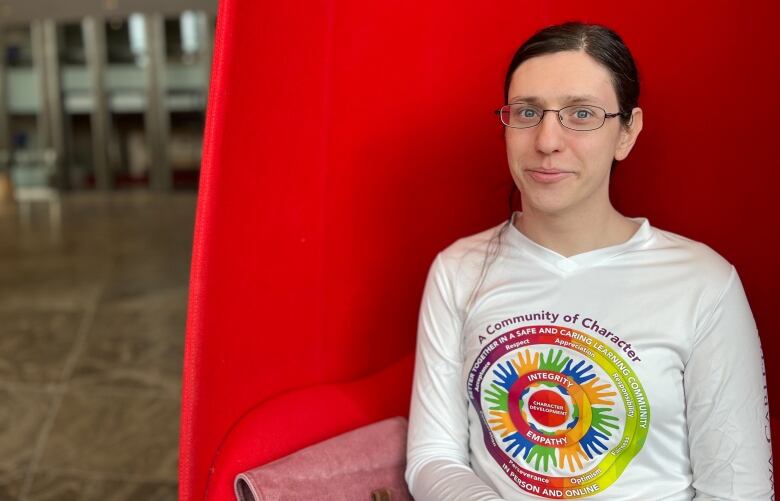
column 576, row 117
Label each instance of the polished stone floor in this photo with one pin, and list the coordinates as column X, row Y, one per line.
column 92, row 323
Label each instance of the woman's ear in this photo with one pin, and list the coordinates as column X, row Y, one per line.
column 628, row 134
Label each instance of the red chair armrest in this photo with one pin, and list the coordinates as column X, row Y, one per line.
column 299, row 418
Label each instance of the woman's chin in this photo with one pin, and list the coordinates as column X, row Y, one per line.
column 548, row 206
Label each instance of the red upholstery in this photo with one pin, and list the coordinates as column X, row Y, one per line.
column 254, row 440
column 348, row 141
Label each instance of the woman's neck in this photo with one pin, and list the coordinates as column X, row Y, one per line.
column 576, row 232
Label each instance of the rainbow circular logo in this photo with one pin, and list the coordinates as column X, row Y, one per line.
column 562, row 413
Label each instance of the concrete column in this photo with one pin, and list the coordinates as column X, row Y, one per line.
column 42, row 116
column 207, row 29
column 55, row 111
column 156, row 117
column 5, row 122
column 95, row 48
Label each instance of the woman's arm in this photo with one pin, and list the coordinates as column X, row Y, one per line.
column 438, row 445
column 726, row 404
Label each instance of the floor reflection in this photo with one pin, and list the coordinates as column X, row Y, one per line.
column 92, row 319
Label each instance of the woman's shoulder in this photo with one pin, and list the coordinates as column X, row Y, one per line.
column 475, row 246
column 693, row 254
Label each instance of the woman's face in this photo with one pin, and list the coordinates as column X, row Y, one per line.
column 558, row 170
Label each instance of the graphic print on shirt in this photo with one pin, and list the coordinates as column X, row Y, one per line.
column 561, row 412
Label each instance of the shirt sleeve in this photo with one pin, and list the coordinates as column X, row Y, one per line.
column 438, row 466
column 726, row 404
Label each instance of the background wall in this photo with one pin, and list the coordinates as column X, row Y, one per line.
column 348, row 142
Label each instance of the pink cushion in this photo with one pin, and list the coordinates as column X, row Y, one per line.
column 347, row 467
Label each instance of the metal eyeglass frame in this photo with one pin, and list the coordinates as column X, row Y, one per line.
column 560, row 120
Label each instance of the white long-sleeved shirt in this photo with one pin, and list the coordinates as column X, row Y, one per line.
column 628, row 372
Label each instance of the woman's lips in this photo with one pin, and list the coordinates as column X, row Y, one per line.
column 548, row 176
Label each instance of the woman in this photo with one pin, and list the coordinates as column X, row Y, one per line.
column 572, row 351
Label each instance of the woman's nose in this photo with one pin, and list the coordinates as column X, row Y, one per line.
column 549, row 133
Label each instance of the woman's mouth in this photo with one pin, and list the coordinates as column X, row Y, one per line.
column 547, row 176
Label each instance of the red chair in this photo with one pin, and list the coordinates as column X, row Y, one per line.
column 347, row 142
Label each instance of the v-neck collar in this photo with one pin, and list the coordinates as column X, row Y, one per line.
column 584, row 259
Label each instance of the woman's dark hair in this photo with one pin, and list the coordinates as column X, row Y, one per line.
column 600, row 43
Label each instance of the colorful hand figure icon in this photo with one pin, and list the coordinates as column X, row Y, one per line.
column 518, row 444
column 570, row 455
column 597, row 395
column 601, row 420
column 592, row 443
column 554, row 362
column 578, row 373
column 499, row 397
column 543, row 455
column 527, row 364
column 506, row 375
column 502, row 422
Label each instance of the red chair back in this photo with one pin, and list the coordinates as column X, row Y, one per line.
column 349, row 141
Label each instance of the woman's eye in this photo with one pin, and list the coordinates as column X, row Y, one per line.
column 526, row 113
column 582, row 114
